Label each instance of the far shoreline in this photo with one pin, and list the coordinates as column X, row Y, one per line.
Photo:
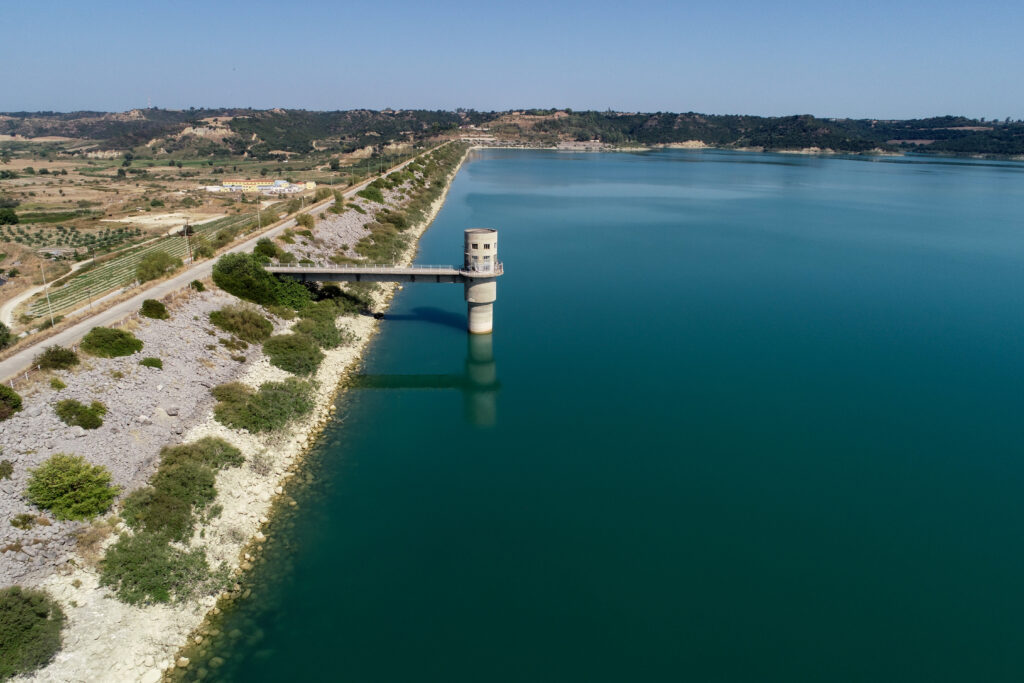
column 805, row 151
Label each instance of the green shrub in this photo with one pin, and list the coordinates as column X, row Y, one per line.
column 24, row 521
column 144, row 568
column 30, row 626
column 201, row 252
column 266, row 249
column 223, row 237
column 269, row 216
column 357, row 297
column 73, row 413
column 151, row 362
column 305, row 220
column 6, row 338
column 56, row 384
column 325, row 310
column 158, row 512
column 188, row 481
column 282, row 312
column 395, row 218
column 341, row 258
column 292, row 293
column 197, row 285
column 245, row 322
column 384, row 244
column 243, row 275
column 49, row 322
column 296, row 353
column 318, row 319
column 106, row 342
column 185, row 479
column 56, row 358
column 10, row 402
column 323, row 332
column 272, row 407
column 232, row 344
column 371, row 193
column 151, row 308
column 70, row 487
column 6, row 469
column 210, row 451
column 154, row 265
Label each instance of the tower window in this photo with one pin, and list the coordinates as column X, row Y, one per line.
column 476, row 246
column 487, row 246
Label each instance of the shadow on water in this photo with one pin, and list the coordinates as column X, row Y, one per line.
column 430, row 314
column 478, row 382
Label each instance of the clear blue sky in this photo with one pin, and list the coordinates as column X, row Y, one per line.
column 893, row 59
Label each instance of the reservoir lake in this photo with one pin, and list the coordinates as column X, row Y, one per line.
column 743, row 417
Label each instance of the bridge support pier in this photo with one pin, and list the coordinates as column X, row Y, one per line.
column 481, row 318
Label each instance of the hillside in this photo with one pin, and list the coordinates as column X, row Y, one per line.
column 947, row 134
column 217, row 132
column 278, row 133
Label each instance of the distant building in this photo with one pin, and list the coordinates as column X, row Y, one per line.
column 263, row 186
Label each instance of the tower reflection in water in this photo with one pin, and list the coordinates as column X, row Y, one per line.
column 478, row 382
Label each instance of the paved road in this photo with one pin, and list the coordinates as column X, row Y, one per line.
column 7, row 308
column 20, row 361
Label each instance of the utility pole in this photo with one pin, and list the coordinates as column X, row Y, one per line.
column 46, row 289
column 188, row 245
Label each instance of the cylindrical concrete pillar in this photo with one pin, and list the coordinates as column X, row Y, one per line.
column 481, row 318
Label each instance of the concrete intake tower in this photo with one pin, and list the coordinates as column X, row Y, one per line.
column 478, row 275
column 482, row 267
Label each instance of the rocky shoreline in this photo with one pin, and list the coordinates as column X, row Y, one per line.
column 105, row 639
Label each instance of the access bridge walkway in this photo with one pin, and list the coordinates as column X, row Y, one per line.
column 378, row 273
column 479, row 273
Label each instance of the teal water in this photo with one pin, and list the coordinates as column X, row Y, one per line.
column 745, row 417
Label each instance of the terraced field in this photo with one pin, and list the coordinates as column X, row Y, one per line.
column 120, row 271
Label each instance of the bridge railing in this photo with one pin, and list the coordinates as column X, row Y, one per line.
column 499, row 267
column 355, row 266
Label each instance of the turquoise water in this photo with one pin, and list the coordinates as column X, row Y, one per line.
column 746, row 417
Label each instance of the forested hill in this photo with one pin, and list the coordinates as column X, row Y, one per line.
column 947, row 134
column 239, row 131
column 266, row 133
